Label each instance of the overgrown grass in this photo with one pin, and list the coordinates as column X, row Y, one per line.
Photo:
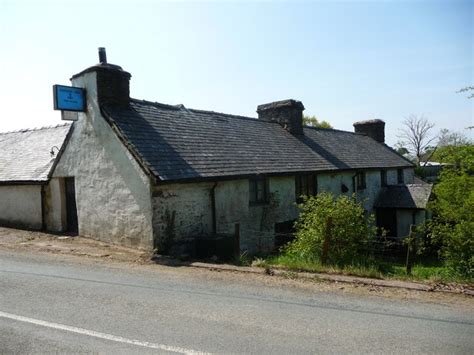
column 425, row 270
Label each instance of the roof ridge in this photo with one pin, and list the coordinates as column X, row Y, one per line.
column 159, row 104
column 332, row 129
column 225, row 114
column 22, row 130
column 182, row 107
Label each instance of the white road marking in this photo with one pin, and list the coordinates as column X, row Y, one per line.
column 100, row 335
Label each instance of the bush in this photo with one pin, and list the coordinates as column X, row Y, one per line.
column 332, row 231
column 453, row 221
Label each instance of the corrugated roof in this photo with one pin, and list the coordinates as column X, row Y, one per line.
column 25, row 155
column 177, row 143
column 412, row 196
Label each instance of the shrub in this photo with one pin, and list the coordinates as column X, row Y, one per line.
column 453, row 222
column 332, row 231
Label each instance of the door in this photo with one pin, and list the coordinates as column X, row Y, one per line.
column 387, row 219
column 71, row 209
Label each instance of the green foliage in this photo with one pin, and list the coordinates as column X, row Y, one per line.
column 314, row 122
column 453, row 209
column 462, row 157
column 332, row 231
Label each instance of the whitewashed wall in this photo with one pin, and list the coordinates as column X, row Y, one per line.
column 55, row 206
column 112, row 192
column 191, row 206
column 20, row 206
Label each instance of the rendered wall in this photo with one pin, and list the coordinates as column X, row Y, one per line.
column 20, row 206
column 405, row 219
column 55, row 206
column 185, row 211
column 113, row 194
column 333, row 182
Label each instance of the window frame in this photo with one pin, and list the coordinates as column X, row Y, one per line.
column 361, row 182
column 400, row 176
column 383, row 178
column 254, row 192
column 307, row 182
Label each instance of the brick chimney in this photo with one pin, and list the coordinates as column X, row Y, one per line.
column 375, row 129
column 113, row 83
column 288, row 113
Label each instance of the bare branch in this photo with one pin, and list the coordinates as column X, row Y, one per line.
column 416, row 135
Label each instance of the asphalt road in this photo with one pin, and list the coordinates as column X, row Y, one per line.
column 52, row 305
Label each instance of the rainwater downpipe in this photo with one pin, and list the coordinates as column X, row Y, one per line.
column 43, row 207
column 213, row 208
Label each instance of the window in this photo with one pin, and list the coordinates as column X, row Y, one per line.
column 400, row 178
column 258, row 190
column 360, row 180
column 305, row 185
column 383, row 177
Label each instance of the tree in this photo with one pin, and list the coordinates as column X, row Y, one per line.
column 450, row 138
column 312, row 121
column 332, row 230
column 416, row 135
column 453, row 209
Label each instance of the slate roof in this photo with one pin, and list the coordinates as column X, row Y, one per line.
column 25, row 155
column 412, row 196
column 176, row 143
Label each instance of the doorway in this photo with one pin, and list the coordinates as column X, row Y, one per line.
column 387, row 219
column 71, row 209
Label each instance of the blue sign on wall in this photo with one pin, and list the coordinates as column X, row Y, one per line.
column 68, row 98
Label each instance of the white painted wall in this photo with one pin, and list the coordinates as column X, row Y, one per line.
column 55, row 206
column 113, row 193
column 191, row 205
column 20, row 206
column 332, row 182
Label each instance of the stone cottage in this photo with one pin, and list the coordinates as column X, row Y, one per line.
column 152, row 175
column 29, row 197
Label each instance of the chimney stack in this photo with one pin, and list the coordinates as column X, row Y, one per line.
column 375, row 129
column 113, row 83
column 288, row 113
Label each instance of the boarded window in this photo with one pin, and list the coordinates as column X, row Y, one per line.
column 258, row 190
column 306, row 185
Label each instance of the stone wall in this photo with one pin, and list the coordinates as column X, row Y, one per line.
column 184, row 211
column 113, row 193
column 20, row 206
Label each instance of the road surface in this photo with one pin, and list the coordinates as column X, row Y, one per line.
column 50, row 304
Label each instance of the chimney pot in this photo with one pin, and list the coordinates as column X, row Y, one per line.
column 102, row 56
column 375, row 129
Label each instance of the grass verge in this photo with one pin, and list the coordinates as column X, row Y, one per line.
column 432, row 271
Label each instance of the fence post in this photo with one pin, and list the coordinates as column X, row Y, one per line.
column 411, row 240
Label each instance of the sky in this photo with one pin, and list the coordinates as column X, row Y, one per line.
column 345, row 60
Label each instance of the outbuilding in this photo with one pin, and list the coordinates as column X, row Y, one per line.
column 29, row 198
